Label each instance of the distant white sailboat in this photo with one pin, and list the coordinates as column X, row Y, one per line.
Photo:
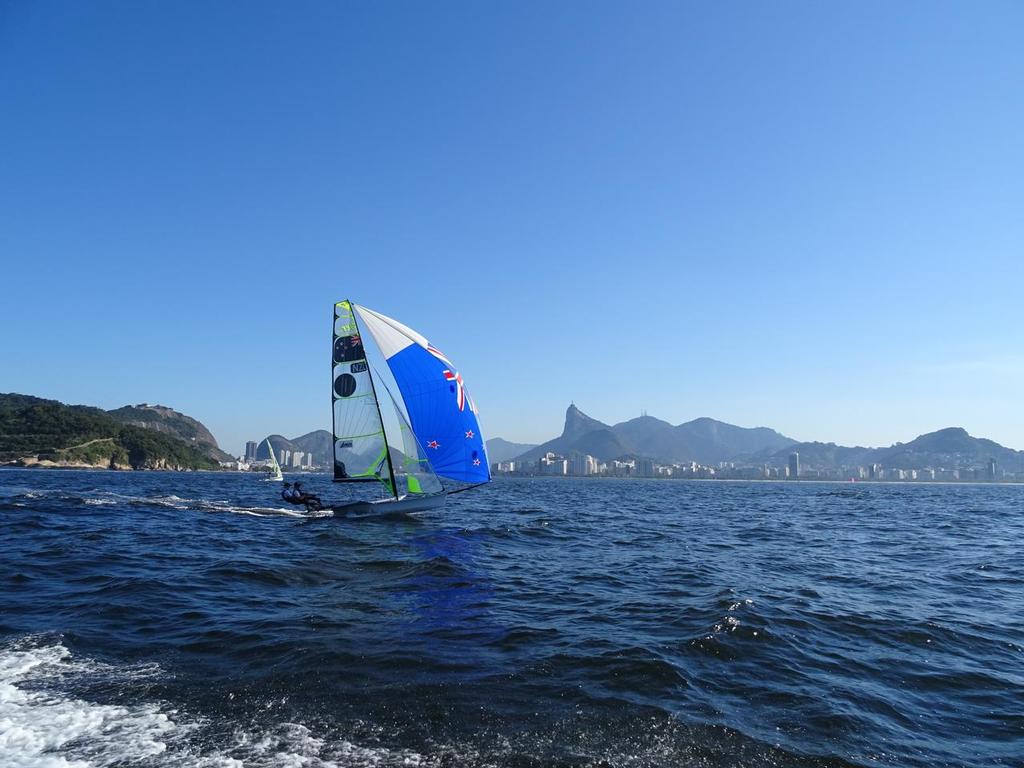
column 441, row 438
column 278, row 475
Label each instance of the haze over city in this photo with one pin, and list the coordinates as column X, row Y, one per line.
column 804, row 218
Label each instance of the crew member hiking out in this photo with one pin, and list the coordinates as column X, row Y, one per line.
column 287, row 493
column 312, row 501
column 296, row 496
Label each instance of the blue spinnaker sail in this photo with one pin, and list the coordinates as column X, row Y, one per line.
column 441, row 412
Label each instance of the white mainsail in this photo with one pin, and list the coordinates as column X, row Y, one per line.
column 360, row 442
column 273, row 462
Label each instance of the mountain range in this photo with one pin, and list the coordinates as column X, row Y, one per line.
column 949, row 448
column 503, row 450
column 703, row 440
column 709, row 442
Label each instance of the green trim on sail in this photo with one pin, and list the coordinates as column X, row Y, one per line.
column 353, row 414
column 356, row 437
column 374, row 470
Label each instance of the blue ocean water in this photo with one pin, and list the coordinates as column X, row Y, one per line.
column 164, row 619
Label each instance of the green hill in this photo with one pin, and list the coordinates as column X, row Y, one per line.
column 160, row 418
column 38, row 432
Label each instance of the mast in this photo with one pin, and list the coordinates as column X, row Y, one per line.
column 334, row 415
column 376, row 401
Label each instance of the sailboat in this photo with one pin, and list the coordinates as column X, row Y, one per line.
column 278, row 476
column 439, row 430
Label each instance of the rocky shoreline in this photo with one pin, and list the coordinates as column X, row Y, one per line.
column 34, row 462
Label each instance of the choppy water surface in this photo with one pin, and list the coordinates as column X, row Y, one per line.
column 157, row 619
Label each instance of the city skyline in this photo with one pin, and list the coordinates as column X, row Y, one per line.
column 251, row 445
column 585, row 465
column 804, row 217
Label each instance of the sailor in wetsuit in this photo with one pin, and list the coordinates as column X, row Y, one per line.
column 296, row 496
column 311, row 501
column 288, row 494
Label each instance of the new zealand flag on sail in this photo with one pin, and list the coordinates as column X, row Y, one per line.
column 441, row 412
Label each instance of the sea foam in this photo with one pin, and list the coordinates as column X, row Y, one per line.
column 43, row 726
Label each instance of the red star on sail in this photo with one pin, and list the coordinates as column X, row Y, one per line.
column 433, row 444
column 469, row 434
column 476, row 462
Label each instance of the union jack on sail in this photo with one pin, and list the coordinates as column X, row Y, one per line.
column 438, row 354
column 460, row 390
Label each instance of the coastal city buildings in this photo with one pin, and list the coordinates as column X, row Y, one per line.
column 794, row 466
column 783, row 466
column 551, row 464
column 584, row 465
column 288, row 459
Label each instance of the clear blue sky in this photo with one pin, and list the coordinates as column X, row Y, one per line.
column 808, row 215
